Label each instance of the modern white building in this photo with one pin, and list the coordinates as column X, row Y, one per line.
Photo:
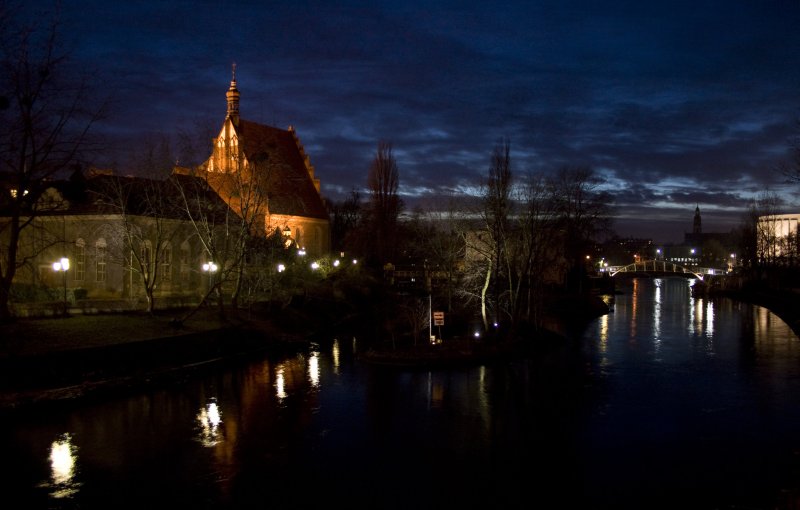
column 777, row 236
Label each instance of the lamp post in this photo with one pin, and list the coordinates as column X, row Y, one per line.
column 210, row 268
column 63, row 266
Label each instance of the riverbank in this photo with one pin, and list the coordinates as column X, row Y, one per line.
column 52, row 360
column 60, row 359
column 783, row 303
column 55, row 360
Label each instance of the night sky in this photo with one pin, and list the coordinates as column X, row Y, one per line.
column 675, row 104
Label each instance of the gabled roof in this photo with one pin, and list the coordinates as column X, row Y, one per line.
column 291, row 188
column 109, row 194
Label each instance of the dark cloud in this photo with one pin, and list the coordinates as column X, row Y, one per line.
column 676, row 104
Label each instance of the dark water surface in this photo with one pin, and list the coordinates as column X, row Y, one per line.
column 668, row 402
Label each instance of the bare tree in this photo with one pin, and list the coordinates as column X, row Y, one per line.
column 497, row 207
column 229, row 232
column 444, row 245
column 153, row 158
column 346, row 216
column 535, row 250
column 218, row 231
column 530, row 230
column 43, row 131
column 145, row 235
column 584, row 214
column 415, row 310
column 385, row 204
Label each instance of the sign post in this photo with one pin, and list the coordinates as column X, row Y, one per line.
column 438, row 320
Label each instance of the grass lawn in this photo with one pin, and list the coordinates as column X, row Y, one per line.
column 46, row 335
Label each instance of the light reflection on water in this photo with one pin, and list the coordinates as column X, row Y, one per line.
column 209, row 419
column 710, row 381
column 280, row 383
column 63, row 468
column 313, row 368
column 62, row 460
column 335, row 355
column 650, row 400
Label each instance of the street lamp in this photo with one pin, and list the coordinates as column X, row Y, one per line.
column 210, row 268
column 63, row 266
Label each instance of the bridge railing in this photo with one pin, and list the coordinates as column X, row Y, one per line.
column 663, row 266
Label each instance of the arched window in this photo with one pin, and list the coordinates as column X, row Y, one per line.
column 185, row 254
column 146, row 257
column 166, row 260
column 79, row 255
column 100, row 260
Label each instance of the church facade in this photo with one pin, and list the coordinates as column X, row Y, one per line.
column 264, row 174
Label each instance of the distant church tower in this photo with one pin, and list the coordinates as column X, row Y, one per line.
column 697, row 229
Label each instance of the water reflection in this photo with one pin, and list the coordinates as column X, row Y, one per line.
column 634, row 309
column 657, row 314
column 603, row 324
column 280, row 382
column 292, row 374
column 709, row 320
column 209, row 419
column 692, row 310
column 313, row 369
column 63, row 460
column 335, row 355
column 301, row 428
column 435, row 392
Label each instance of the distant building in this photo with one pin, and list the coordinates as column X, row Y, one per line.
column 707, row 249
column 82, row 220
column 777, row 238
column 697, row 238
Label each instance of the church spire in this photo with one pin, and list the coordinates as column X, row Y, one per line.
column 233, row 98
column 697, row 226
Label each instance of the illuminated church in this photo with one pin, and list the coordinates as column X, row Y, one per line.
column 264, row 171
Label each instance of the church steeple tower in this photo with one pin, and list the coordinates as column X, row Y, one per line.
column 233, row 98
column 697, row 228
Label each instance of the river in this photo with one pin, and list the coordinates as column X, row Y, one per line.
column 667, row 402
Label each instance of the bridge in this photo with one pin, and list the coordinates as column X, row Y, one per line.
column 662, row 267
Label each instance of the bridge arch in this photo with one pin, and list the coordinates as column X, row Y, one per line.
column 660, row 266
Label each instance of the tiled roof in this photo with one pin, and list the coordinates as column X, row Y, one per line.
column 291, row 189
column 142, row 197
